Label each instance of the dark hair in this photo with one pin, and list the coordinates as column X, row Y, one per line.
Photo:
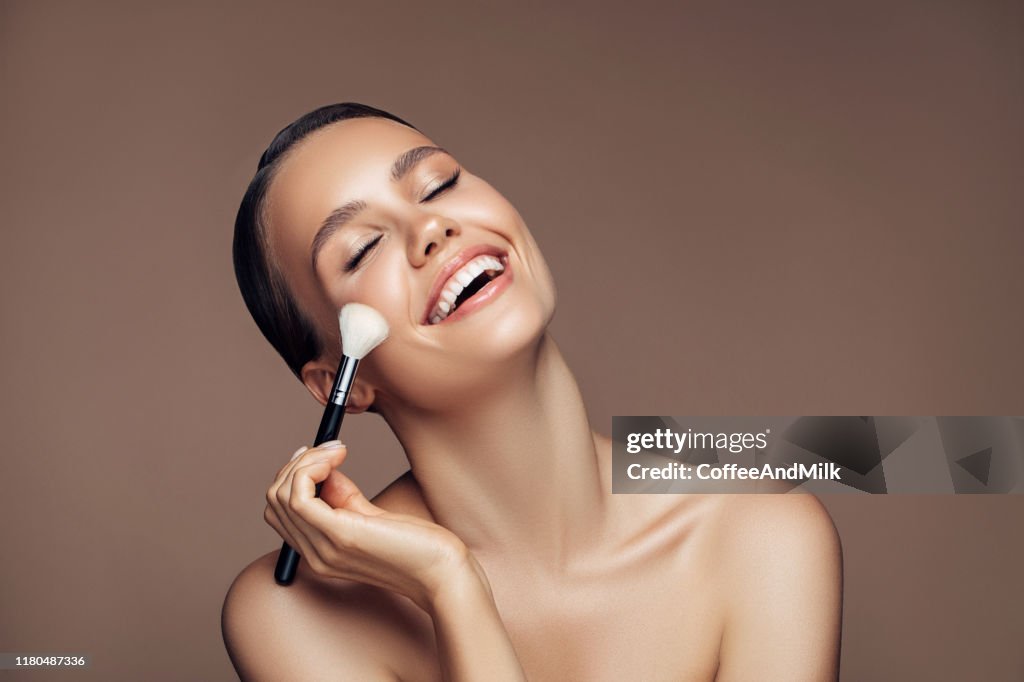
column 263, row 288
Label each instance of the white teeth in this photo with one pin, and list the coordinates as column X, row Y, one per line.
column 475, row 267
column 459, row 281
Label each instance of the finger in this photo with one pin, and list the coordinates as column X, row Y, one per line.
column 304, row 476
column 277, row 504
column 302, row 534
column 333, row 452
column 306, row 548
column 305, row 453
column 275, row 516
column 314, row 512
column 317, row 534
column 277, row 495
column 272, row 520
column 304, row 481
column 280, row 475
column 288, row 532
column 306, row 540
column 294, row 456
column 298, row 532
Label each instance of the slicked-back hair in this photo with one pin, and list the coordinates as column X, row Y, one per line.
column 263, row 288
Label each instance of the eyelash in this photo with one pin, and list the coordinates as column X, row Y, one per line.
column 365, row 248
column 360, row 252
column 446, row 185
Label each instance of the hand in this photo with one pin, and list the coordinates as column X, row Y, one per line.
column 342, row 534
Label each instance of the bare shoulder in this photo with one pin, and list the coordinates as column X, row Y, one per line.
column 319, row 629
column 770, row 543
column 781, row 570
column 795, row 526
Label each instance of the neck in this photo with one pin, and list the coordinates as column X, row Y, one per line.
column 518, row 469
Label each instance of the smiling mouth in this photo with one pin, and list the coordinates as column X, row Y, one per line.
column 465, row 284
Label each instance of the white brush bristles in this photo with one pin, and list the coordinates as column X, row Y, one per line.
column 362, row 329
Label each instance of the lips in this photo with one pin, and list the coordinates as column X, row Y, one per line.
column 464, row 279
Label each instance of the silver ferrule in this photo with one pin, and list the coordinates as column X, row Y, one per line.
column 343, row 383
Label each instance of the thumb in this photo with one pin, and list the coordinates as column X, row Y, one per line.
column 334, row 451
column 340, row 492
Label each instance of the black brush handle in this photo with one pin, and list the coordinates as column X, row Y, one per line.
column 330, row 425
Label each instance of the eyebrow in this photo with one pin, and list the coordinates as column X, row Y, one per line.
column 346, row 212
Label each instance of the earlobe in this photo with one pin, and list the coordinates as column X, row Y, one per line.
column 360, row 398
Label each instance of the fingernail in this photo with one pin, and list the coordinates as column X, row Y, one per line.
column 331, row 444
column 299, row 451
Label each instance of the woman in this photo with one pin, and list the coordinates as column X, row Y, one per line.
column 501, row 554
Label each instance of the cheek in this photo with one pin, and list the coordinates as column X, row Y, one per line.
column 488, row 208
column 483, row 206
column 381, row 285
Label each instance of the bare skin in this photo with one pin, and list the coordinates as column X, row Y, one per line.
column 502, row 554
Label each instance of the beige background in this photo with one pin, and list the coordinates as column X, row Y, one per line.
column 787, row 208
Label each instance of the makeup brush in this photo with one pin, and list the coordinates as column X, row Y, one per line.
column 362, row 330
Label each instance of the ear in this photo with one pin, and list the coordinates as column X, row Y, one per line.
column 318, row 377
column 360, row 398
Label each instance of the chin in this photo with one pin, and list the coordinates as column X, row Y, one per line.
column 513, row 334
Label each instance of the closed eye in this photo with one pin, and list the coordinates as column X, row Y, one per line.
column 445, row 186
column 361, row 253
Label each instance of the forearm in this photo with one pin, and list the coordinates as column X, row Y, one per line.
column 472, row 641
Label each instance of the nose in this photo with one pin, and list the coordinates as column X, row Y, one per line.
column 429, row 238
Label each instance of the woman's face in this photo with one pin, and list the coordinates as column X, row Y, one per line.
column 368, row 210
